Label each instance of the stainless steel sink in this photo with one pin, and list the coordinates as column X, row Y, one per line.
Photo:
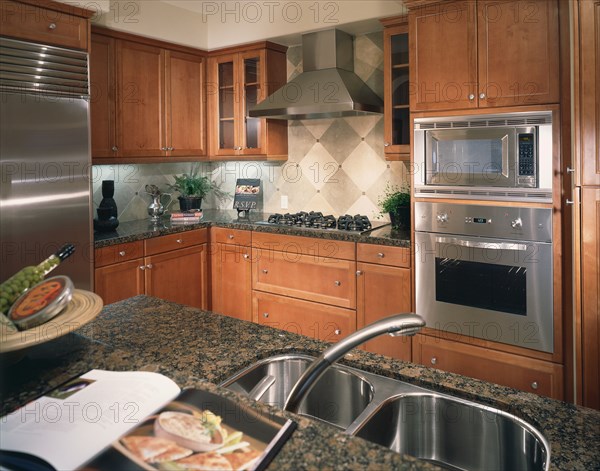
column 337, row 398
column 453, row 433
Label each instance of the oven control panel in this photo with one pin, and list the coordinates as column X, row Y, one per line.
column 503, row 222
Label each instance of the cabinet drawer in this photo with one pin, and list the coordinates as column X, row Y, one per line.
column 324, row 280
column 179, row 240
column 383, row 255
column 303, row 317
column 118, row 253
column 224, row 235
column 43, row 25
column 296, row 245
column 527, row 374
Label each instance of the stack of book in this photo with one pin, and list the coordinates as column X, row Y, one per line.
column 186, row 217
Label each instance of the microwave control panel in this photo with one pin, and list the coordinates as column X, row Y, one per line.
column 526, row 155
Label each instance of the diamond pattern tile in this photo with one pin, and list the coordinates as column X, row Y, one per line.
column 338, row 190
column 340, row 140
column 317, row 165
column 364, row 166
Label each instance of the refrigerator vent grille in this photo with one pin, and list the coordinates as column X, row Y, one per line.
column 28, row 67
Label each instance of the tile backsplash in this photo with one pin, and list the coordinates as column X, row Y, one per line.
column 335, row 165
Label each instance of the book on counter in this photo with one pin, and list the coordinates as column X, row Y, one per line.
column 186, row 217
column 108, row 420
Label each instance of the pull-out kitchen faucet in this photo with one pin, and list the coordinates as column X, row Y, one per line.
column 399, row 324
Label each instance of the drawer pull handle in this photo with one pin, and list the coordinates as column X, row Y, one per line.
column 246, row 256
column 337, row 331
column 534, row 385
column 52, row 26
column 115, row 148
column 231, row 236
column 381, row 255
column 433, row 360
column 265, row 271
column 180, row 241
column 149, row 266
column 143, row 267
column 265, row 314
column 122, row 253
column 337, row 283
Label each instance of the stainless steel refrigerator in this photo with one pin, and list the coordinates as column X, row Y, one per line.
column 45, row 161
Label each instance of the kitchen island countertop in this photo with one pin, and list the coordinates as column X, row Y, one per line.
column 145, row 229
column 200, row 349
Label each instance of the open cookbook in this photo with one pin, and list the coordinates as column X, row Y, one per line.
column 107, row 420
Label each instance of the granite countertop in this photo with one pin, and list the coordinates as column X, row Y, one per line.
column 200, row 349
column 145, row 229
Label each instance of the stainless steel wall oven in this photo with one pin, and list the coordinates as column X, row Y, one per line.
column 486, row 272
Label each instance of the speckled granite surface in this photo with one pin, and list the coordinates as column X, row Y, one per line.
column 201, row 349
column 144, row 229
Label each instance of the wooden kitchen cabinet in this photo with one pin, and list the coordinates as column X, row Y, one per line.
column 527, row 374
column 48, row 22
column 315, row 320
column 396, row 88
column 237, row 79
column 479, row 54
column 172, row 267
column 383, row 289
column 148, row 101
column 231, row 272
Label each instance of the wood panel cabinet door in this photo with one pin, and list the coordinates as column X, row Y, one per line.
column 443, row 56
column 589, row 92
column 140, row 100
column 381, row 292
column 315, row 320
column 590, row 295
column 119, row 281
column 231, row 279
column 518, row 52
column 179, row 276
column 185, row 126
column 102, row 98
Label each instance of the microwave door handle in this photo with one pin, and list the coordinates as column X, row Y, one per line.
column 482, row 245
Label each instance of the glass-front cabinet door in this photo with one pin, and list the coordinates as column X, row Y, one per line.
column 224, row 89
column 252, row 68
column 396, row 90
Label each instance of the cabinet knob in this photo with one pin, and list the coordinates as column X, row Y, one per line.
column 359, row 272
column 52, row 26
column 265, row 271
column 337, row 283
column 115, row 148
column 265, row 314
column 568, row 201
column 179, row 241
column 171, row 148
column 164, row 149
column 337, row 332
column 534, row 385
column 386, row 144
column 381, row 255
column 122, row 253
column 570, row 170
column 471, row 97
column 246, row 256
column 482, row 96
column 149, row 266
column 433, row 360
column 231, row 237
column 143, row 267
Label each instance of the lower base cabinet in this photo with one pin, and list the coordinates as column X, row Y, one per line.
column 527, row 374
column 320, row 321
column 172, row 267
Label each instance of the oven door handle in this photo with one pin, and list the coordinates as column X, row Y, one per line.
column 482, row 245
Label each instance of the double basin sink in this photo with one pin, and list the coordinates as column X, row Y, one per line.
column 449, row 432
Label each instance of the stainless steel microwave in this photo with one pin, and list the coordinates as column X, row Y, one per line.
column 498, row 157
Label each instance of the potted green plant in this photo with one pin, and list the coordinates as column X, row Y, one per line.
column 396, row 202
column 192, row 187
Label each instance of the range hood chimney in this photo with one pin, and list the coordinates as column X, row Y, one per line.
column 328, row 87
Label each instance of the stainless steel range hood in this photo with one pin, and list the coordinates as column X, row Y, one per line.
column 328, row 87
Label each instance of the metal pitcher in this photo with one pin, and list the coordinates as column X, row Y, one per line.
column 157, row 208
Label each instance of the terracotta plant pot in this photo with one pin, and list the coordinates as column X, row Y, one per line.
column 188, row 203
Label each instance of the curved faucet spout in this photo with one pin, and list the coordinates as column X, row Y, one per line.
column 399, row 324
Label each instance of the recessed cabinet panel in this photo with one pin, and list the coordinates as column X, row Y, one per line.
column 102, row 99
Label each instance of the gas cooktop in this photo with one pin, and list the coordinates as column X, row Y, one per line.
column 317, row 220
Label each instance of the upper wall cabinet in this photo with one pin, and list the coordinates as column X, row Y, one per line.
column 484, row 53
column 237, row 80
column 147, row 101
column 396, row 89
